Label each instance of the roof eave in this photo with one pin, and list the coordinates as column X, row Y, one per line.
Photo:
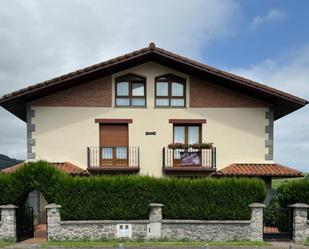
column 283, row 103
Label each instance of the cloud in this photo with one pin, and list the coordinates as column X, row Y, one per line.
column 288, row 73
column 40, row 39
column 272, row 15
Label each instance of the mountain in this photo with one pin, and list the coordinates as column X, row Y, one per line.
column 6, row 162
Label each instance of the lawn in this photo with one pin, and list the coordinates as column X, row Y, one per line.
column 277, row 182
column 5, row 243
column 88, row 244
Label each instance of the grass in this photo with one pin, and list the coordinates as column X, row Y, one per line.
column 277, row 182
column 5, row 243
column 150, row 243
column 306, row 242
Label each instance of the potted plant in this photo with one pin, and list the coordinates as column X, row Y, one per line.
column 176, row 146
column 201, row 146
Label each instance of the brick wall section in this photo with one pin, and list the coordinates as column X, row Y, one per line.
column 156, row 227
column 8, row 223
column 97, row 93
column 206, row 94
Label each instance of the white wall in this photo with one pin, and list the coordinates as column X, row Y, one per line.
column 63, row 133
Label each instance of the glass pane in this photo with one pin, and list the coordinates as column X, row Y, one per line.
column 179, row 134
column 122, row 89
column 177, row 102
column 107, row 153
column 138, row 102
column 123, row 102
column 193, row 134
column 162, row 102
column 177, row 89
column 121, row 152
column 162, row 88
column 137, row 89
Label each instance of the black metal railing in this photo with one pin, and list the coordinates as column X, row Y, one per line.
column 277, row 223
column 113, row 156
column 189, row 157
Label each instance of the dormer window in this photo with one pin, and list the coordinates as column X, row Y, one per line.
column 170, row 91
column 130, row 90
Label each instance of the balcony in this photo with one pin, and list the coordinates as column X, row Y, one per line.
column 113, row 160
column 189, row 161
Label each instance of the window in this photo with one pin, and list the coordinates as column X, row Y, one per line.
column 114, row 141
column 187, row 134
column 130, row 91
column 170, row 91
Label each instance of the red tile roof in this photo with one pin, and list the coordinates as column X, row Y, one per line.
column 259, row 169
column 64, row 166
column 9, row 101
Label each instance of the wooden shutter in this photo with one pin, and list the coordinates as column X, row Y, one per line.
column 113, row 135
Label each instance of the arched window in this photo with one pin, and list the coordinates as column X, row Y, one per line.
column 170, row 90
column 130, row 90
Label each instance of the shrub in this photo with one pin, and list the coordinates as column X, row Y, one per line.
column 128, row 197
column 294, row 192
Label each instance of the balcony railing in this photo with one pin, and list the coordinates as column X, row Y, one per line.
column 113, row 157
column 189, row 158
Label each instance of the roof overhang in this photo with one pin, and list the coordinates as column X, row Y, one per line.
column 283, row 103
column 273, row 170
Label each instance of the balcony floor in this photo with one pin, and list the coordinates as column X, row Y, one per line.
column 113, row 170
column 188, row 170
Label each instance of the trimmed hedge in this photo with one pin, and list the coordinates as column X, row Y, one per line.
column 128, row 197
column 294, row 192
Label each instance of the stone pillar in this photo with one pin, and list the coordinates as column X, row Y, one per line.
column 256, row 225
column 300, row 221
column 155, row 219
column 53, row 221
column 8, row 223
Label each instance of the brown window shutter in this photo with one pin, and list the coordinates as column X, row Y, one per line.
column 113, row 135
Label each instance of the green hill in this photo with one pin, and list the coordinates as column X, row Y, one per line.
column 6, row 161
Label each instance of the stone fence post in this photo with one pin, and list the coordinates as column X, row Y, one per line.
column 257, row 221
column 8, row 222
column 300, row 221
column 53, row 221
column 155, row 220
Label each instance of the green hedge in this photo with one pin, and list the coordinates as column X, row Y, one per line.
column 128, row 197
column 294, row 192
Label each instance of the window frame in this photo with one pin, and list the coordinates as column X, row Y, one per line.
column 186, row 131
column 170, row 78
column 131, row 79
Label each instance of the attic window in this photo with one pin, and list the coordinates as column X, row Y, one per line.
column 130, row 90
column 170, row 91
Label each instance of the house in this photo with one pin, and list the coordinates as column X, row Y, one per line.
column 153, row 112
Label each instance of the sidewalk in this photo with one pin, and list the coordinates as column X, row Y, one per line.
column 275, row 245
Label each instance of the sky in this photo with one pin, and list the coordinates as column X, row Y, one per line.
column 263, row 40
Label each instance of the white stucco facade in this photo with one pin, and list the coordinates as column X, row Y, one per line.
column 63, row 133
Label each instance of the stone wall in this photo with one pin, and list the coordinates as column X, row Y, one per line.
column 8, row 222
column 300, row 222
column 199, row 230
column 156, row 227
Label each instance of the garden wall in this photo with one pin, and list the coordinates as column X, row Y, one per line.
column 156, row 227
column 300, row 222
column 8, row 222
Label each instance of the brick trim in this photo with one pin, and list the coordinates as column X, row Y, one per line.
column 113, row 121
column 30, row 129
column 269, row 130
column 187, row 121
